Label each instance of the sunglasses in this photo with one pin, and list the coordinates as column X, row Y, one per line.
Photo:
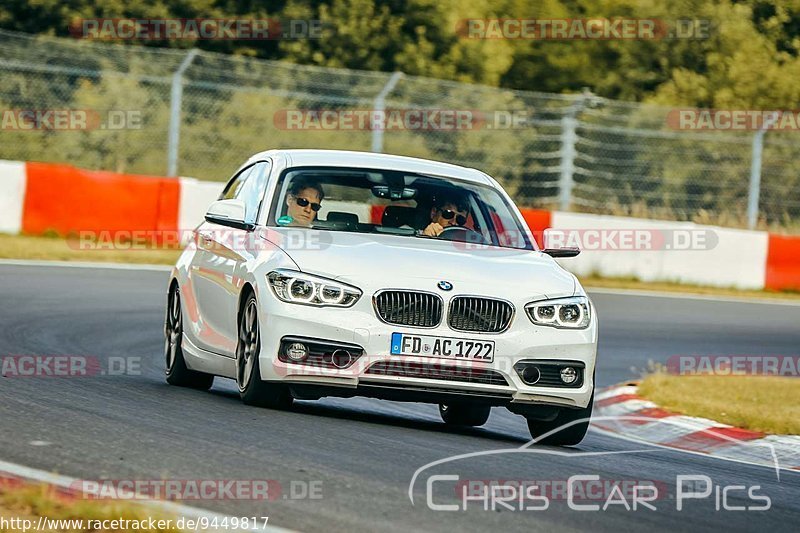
column 448, row 214
column 303, row 202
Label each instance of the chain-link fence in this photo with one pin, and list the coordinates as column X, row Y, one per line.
column 201, row 114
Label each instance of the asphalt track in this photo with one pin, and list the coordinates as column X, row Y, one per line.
column 362, row 453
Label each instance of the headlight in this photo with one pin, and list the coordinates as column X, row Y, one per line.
column 565, row 313
column 299, row 288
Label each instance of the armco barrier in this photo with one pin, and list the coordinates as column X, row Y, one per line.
column 38, row 197
column 783, row 263
column 66, row 199
column 726, row 257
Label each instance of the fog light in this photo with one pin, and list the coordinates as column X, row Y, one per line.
column 568, row 375
column 531, row 374
column 297, row 351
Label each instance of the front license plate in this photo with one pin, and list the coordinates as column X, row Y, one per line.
column 445, row 347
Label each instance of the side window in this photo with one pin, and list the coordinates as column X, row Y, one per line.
column 234, row 186
column 249, row 186
column 252, row 192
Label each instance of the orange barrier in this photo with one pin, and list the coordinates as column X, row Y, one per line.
column 783, row 262
column 376, row 213
column 66, row 199
column 537, row 220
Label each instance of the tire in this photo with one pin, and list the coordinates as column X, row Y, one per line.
column 176, row 370
column 252, row 389
column 462, row 414
column 568, row 436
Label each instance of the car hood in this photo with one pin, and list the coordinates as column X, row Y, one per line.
column 373, row 261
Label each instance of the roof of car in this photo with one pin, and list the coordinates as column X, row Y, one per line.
column 345, row 158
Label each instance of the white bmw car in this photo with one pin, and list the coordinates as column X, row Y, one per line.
column 333, row 273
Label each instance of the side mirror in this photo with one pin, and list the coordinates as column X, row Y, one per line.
column 228, row 213
column 562, row 252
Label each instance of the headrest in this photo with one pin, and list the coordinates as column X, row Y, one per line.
column 395, row 216
column 351, row 219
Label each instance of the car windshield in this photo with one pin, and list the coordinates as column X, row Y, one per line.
column 396, row 203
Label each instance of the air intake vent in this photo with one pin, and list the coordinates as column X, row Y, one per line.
column 437, row 371
column 409, row 308
column 482, row 315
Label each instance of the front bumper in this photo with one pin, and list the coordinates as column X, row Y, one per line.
column 359, row 326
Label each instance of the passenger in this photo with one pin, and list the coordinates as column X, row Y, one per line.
column 304, row 201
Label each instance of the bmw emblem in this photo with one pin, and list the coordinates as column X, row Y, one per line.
column 445, row 285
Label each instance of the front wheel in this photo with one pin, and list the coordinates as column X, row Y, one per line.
column 464, row 414
column 569, row 426
column 252, row 389
column 177, row 372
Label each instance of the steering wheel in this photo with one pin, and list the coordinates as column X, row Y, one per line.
column 462, row 234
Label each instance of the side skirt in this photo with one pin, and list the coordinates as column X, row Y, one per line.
column 208, row 362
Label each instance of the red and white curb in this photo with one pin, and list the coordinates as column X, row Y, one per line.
column 621, row 411
column 14, row 475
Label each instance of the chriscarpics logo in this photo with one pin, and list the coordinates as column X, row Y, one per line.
column 580, row 480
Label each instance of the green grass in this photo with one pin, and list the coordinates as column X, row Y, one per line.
column 759, row 403
column 30, row 502
column 59, row 249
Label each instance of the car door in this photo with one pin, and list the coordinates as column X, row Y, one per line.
column 216, row 267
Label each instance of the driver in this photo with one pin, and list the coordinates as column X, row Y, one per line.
column 304, row 201
column 445, row 213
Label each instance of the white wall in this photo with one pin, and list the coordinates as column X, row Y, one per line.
column 195, row 197
column 725, row 257
column 12, row 195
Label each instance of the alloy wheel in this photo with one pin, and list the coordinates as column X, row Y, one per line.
column 248, row 347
